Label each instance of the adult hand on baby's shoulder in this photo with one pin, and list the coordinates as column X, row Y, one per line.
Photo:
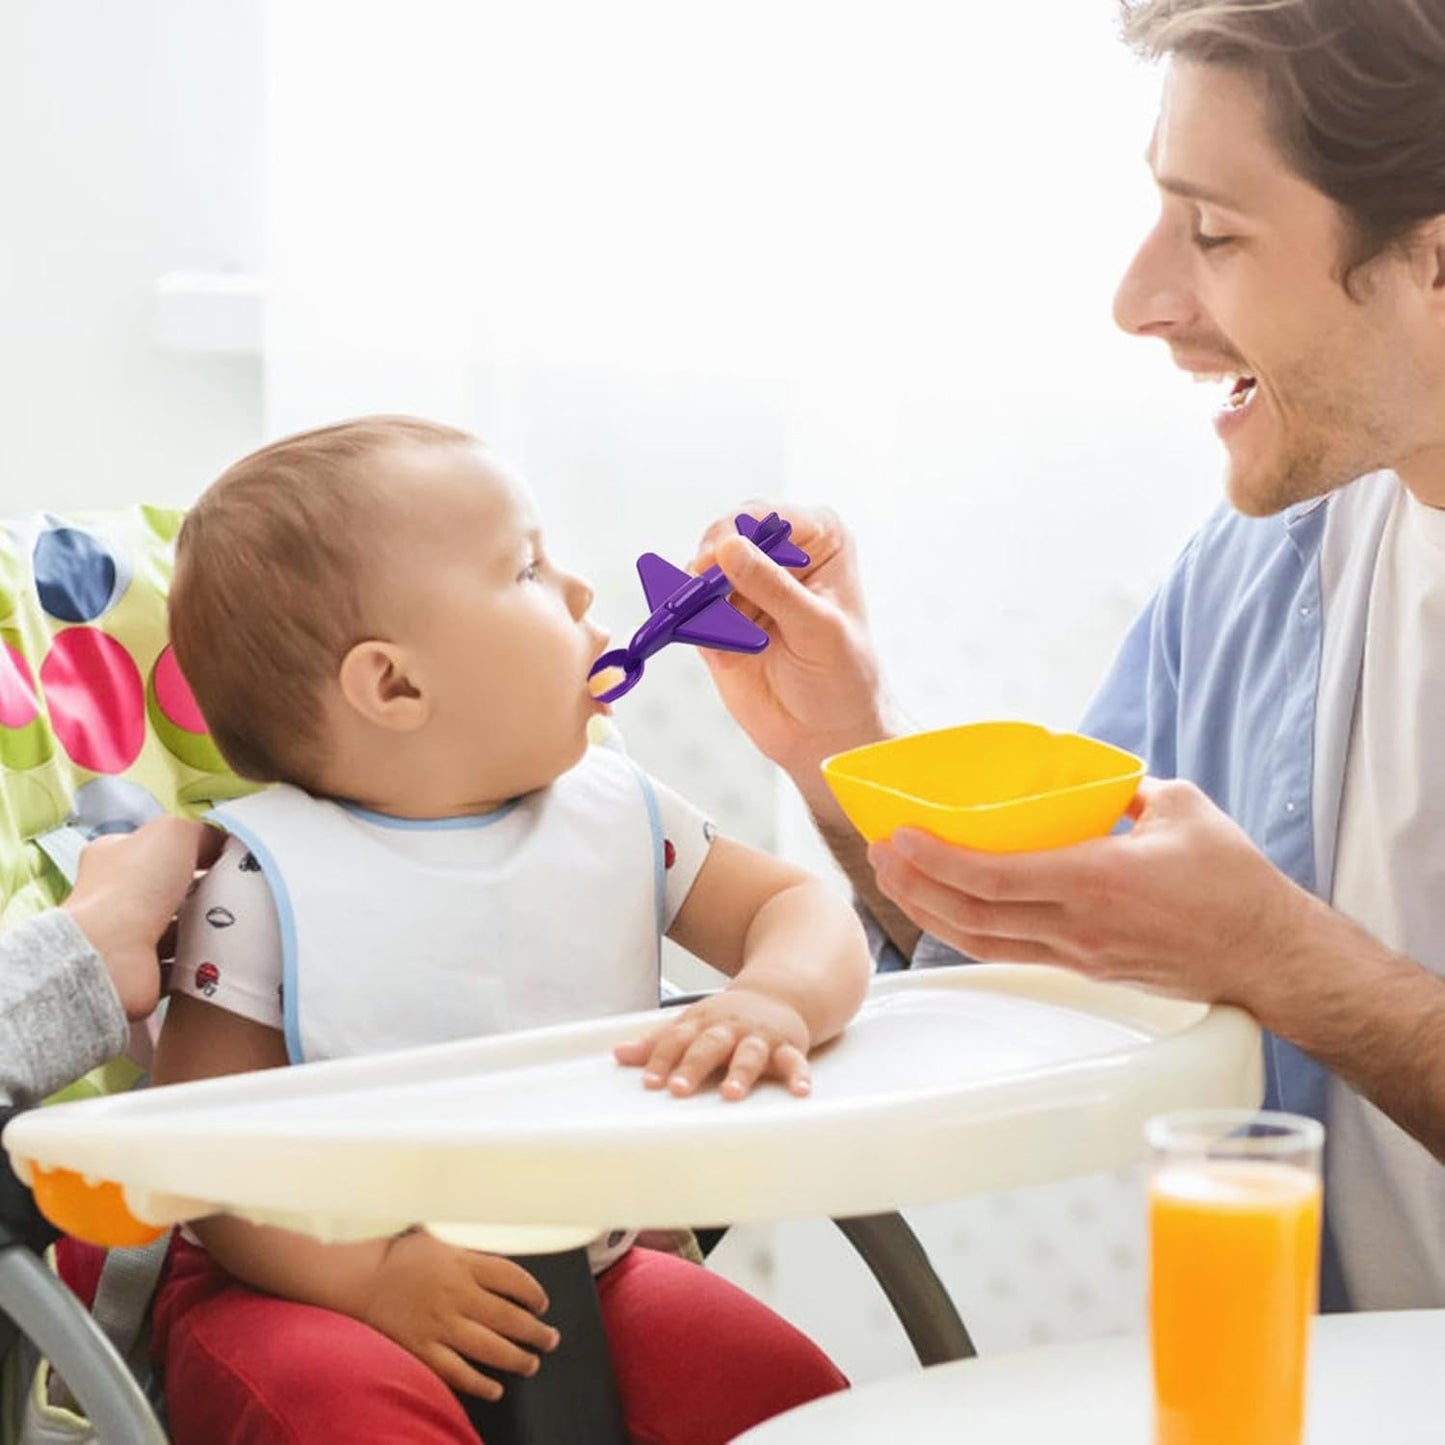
column 455, row 1309
column 126, row 894
column 746, row 1034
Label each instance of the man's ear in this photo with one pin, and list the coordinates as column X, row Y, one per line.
column 1430, row 239
column 378, row 685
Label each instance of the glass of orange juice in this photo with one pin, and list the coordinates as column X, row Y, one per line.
column 1234, row 1234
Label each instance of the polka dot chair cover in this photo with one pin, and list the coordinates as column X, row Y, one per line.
column 98, row 730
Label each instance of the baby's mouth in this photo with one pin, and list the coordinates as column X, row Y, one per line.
column 604, row 681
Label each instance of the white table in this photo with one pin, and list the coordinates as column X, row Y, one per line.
column 1373, row 1377
column 950, row 1081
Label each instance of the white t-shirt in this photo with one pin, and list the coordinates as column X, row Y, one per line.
column 1385, row 1191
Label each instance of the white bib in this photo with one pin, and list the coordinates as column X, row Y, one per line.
column 551, row 912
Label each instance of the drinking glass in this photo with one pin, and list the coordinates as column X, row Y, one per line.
column 1234, row 1234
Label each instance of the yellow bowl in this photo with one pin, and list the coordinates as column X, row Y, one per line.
column 1001, row 787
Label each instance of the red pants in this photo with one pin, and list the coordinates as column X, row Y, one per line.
column 697, row 1361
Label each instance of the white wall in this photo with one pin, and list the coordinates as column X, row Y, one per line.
column 667, row 254
column 130, row 147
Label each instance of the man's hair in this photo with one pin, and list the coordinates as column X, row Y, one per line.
column 272, row 571
column 1355, row 89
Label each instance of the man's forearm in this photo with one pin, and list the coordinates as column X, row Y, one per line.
column 1373, row 1017
column 850, row 851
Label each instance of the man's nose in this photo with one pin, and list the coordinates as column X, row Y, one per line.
column 1154, row 297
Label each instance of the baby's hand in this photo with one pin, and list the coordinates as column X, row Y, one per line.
column 747, row 1034
column 454, row 1308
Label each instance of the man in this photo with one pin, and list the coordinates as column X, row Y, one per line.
column 1289, row 676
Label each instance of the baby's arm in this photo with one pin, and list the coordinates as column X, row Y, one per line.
column 799, row 964
column 448, row 1306
column 201, row 1041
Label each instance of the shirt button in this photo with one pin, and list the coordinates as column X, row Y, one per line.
column 1289, row 807
column 1305, row 611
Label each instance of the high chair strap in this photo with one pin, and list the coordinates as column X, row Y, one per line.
column 123, row 1298
column 123, row 1294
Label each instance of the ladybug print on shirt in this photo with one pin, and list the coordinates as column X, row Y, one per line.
column 685, row 843
column 229, row 947
column 669, row 848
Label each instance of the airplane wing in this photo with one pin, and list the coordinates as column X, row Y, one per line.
column 660, row 579
column 722, row 626
column 783, row 552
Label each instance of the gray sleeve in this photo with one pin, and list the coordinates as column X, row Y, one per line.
column 59, row 1013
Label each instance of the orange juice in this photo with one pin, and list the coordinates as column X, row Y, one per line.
column 1234, row 1265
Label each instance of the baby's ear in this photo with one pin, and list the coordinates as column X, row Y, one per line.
column 377, row 684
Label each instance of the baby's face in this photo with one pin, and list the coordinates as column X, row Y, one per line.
column 502, row 632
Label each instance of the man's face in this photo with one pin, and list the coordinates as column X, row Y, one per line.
column 1242, row 276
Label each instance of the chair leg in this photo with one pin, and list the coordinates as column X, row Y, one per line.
column 572, row 1399
column 708, row 1237
column 900, row 1264
column 58, row 1325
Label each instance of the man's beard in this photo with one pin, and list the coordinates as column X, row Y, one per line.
column 1338, row 451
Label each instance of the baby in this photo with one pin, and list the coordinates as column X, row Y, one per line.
column 368, row 618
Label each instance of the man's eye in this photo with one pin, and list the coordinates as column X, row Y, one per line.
column 1210, row 243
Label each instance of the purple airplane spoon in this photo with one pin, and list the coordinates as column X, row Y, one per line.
column 695, row 609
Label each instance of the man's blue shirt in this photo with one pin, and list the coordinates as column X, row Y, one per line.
column 1217, row 682
column 1241, row 677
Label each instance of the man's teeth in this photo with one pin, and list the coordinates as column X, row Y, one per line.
column 1241, row 392
column 1239, row 387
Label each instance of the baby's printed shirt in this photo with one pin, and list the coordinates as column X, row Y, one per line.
column 228, row 951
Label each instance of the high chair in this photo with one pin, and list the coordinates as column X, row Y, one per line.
column 99, row 733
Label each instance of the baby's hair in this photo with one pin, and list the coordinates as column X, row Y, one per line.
column 271, row 568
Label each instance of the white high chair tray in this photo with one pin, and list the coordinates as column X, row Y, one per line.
column 950, row 1081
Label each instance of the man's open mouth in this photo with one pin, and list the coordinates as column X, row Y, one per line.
column 1241, row 392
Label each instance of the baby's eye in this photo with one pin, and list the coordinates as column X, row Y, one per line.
column 530, row 572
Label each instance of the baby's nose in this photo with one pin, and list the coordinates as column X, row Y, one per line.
column 581, row 596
